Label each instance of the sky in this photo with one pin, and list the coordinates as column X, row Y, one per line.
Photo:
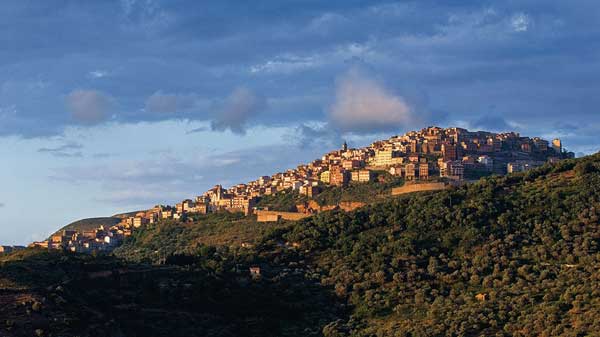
column 109, row 106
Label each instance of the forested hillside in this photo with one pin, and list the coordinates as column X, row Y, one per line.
column 505, row 256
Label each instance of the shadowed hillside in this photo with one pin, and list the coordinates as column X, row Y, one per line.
column 514, row 255
column 90, row 224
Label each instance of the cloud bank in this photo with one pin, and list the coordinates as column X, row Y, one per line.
column 363, row 104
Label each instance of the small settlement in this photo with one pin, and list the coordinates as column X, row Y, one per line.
column 431, row 154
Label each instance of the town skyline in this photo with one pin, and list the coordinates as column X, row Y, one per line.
column 428, row 159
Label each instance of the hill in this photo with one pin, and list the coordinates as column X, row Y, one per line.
column 91, row 223
column 515, row 255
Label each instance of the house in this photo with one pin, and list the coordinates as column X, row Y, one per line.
column 40, row 244
column 396, row 171
column 338, row 176
column 351, row 164
column 139, row 222
column 409, row 171
column 363, row 176
column 481, row 297
column 325, row 177
column 309, row 190
column 255, row 272
column 453, row 169
column 383, row 157
column 9, row 249
column 557, row 145
column 423, row 171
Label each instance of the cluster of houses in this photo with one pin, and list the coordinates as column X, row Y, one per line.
column 429, row 154
column 432, row 153
column 10, row 249
column 102, row 238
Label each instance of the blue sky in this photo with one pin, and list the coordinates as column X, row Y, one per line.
column 109, row 106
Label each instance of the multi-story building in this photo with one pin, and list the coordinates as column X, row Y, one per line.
column 452, row 170
column 557, row 145
column 410, row 171
column 362, row 176
column 326, row 177
column 449, row 151
column 423, row 171
column 338, row 176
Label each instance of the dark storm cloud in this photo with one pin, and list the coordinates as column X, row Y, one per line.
column 534, row 60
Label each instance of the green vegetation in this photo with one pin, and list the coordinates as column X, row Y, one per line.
column 90, row 224
column 505, row 256
column 370, row 192
column 61, row 294
column 171, row 237
column 285, row 201
column 373, row 191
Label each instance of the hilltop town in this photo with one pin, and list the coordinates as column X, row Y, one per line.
column 432, row 158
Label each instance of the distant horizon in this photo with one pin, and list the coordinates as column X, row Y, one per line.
column 107, row 106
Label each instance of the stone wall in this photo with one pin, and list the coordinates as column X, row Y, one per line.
column 350, row 205
column 410, row 188
column 271, row 216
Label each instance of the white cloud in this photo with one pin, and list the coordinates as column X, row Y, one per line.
column 98, row 73
column 89, row 106
column 285, row 65
column 363, row 104
column 520, row 22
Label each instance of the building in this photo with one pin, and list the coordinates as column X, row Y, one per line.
column 200, row 208
column 263, row 180
column 396, row 170
column 383, row 157
column 325, row 177
column 557, row 145
column 423, row 171
column 310, row 190
column 486, row 161
column 449, row 152
column 410, row 171
column 540, row 144
column 139, row 222
column 452, row 170
column 362, row 176
column 338, row 177
column 255, row 272
column 351, row 164
column 522, row 166
column 10, row 249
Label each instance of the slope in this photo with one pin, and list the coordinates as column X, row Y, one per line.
column 505, row 256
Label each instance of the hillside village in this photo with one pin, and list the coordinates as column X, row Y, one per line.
column 433, row 156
